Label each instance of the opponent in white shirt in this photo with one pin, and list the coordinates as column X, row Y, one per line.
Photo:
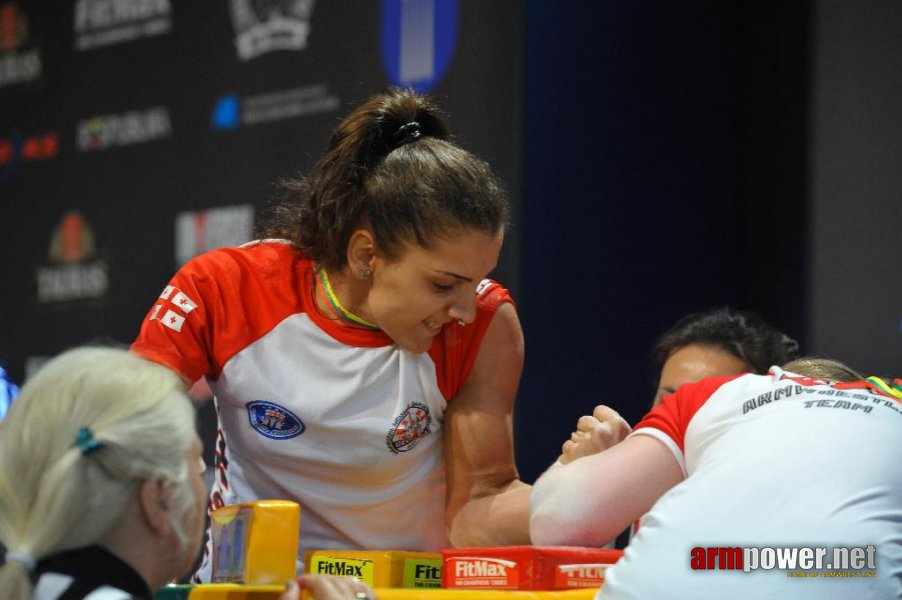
column 778, row 461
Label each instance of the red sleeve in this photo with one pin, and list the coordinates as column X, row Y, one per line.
column 458, row 346
column 215, row 305
column 673, row 415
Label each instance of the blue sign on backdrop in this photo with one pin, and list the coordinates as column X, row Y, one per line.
column 418, row 40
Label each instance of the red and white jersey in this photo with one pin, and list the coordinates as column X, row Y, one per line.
column 779, row 461
column 341, row 420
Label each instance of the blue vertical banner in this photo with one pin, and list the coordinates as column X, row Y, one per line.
column 418, row 39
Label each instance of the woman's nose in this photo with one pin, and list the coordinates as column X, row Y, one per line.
column 464, row 307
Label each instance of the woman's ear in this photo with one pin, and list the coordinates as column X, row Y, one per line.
column 154, row 501
column 361, row 253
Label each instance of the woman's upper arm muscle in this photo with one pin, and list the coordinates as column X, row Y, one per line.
column 478, row 447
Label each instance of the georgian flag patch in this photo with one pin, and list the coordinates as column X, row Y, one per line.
column 178, row 307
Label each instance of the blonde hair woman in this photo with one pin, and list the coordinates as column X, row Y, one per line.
column 99, row 478
column 100, row 483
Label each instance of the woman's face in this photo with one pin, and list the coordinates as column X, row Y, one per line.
column 414, row 296
column 693, row 363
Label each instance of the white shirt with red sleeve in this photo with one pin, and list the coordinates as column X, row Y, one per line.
column 339, row 419
column 771, row 461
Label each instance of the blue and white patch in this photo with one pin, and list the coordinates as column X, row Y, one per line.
column 409, row 428
column 274, row 421
column 418, row 40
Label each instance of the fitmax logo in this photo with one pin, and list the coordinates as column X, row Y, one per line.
column 343, row 569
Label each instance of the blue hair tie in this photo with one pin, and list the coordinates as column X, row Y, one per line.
column 86, row 442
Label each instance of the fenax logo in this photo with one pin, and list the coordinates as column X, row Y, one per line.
column 100, row 23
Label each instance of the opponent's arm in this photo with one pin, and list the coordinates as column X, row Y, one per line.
column 486, row 503
column 589, row 501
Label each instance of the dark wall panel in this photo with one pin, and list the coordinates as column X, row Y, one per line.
column 856, row 182
column 648, row 154
column 139, row 114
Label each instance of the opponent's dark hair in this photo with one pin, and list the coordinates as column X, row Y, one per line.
column 390, row 165
column 743, row 334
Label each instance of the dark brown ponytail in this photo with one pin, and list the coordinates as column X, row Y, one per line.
column 391, row 166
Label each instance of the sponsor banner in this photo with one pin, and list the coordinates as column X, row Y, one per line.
column 232, row 112
column 16, row 149
column 99, row 23
column 379, row 568
column 75, row 274
column 482, row 572
column 262, row 27
column 527, row 567
column 21, row 57
column 197, row 232
column 418, row 41
column 125, row 129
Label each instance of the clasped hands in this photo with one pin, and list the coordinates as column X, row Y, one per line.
column 595, row 433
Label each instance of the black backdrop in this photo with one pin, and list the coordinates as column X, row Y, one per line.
column 658, row 156
column 170, row 124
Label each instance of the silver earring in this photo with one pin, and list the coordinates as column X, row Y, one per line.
column 365, row 273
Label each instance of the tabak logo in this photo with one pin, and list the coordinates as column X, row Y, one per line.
column 20, row 56
column 74, row 273
column 263, row 26
column 412, row 425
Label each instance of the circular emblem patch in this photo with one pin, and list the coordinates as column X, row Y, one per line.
column 274, row 421
column 409, row 428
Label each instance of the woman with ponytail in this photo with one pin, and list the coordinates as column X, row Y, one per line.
column 361, row 362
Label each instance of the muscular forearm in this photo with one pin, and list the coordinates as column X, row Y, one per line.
column 498, row 519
